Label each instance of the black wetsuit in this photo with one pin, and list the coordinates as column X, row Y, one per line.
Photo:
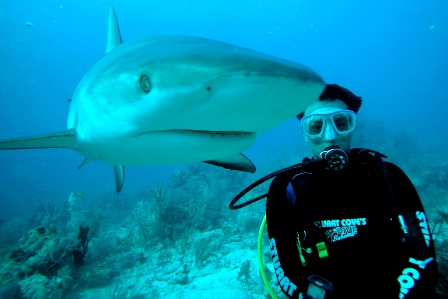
column 352, row 212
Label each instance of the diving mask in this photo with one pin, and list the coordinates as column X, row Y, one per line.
column 341, row 121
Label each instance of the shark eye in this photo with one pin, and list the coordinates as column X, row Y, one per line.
column 145, row 83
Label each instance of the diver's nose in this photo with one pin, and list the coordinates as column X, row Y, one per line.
column 329, row 131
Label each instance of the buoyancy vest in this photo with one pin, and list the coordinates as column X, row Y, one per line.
column 333, row 231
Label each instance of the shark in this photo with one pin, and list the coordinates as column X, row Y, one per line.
column 175, row 99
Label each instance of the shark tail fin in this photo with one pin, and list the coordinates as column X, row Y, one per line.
column 113, row 31
column 64, row 139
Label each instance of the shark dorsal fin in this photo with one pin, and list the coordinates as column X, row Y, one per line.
column 113, row 31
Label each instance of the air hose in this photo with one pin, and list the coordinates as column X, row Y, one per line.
column 260, row 260
column 332, row 159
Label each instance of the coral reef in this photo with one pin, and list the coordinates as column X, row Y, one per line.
column 44, row 261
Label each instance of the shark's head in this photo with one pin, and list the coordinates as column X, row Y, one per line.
column 167, row 86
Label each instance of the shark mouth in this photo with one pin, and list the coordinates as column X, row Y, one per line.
column 218, row 133
column 223, row 134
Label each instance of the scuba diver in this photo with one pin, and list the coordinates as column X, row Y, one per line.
column 352, row 228
column 345, row 224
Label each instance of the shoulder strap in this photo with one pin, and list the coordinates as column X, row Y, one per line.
column 409, row 224
column 363, row 151
column 399, row 207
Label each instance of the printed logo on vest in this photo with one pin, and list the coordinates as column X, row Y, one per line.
column 411, row 275
column 341, row 229
column 287, row 285
column 423, row 223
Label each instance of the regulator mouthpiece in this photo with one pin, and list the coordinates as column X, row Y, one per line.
column 335, row 158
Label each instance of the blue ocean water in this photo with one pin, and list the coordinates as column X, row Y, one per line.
column 393, row 54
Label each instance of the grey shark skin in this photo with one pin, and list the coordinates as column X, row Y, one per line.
column 178, row 99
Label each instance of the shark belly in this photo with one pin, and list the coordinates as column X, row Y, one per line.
column 167, row 147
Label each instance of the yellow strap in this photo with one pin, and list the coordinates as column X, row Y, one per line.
column 260, row 260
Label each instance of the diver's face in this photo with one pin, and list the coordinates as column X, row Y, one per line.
column 330, row 136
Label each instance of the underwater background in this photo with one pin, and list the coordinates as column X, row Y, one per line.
column 170, row 233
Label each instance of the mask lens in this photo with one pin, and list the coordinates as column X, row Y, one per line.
column 315, row 125
column 343, row 121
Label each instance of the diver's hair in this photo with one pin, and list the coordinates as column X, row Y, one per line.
column 334, row 92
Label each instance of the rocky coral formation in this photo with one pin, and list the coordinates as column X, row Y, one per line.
column 44, row 261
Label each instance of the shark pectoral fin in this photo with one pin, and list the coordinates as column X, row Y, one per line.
column 119, row 177
column 64, row 139
column 235, row 162
column 84, row 163
column 113, row 31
